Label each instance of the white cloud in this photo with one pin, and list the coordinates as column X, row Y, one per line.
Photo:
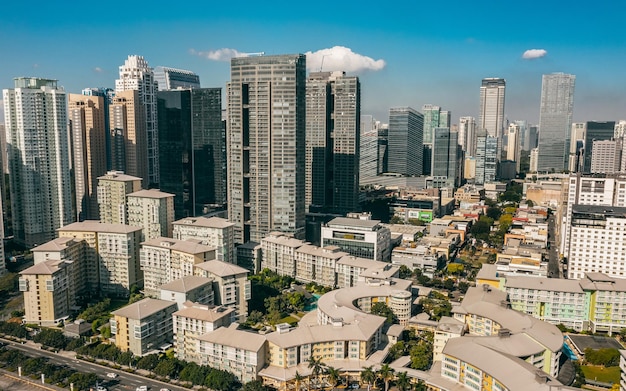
column 223, row 54
column 98, row 70
column 341, row 58
column 531, row 54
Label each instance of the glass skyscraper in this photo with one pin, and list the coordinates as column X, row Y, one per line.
column 405, row 141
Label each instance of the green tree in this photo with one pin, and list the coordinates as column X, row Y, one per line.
column 381, row 309
column 317, row 367
column 255, row 385
column 51, row 338
column 494, row 212
column 148, row 362
column 221, row 380
column 368, row 376
column 403, row 382
column 397, row 350
column 421, row 356
column 332, row 376
column 83, row 381
column 385, row 373
column 168, row 367
column 298, row 378
column 404, row 272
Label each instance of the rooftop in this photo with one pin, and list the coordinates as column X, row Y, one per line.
column 207, row 222
column 355, row 223
column 190, row 246
column 143, row 308
column 58, row 244
column 45, row 268
column 236, row 338
column 186, row 284
column 204, row 312
column 152, row 193
column 221, row 268
column 97, row 226
column 118, row 176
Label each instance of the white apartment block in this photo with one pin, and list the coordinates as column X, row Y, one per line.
column 153, row 211
column 360, row 238
column 193, row 320
column 606, row 156
column 112, row 191
column 212, row 231
column 198, row 290
column 164, row 260
column 112, row 260
column 231, row 286
column 279, row 253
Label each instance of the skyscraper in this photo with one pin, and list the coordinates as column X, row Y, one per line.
column 35, row 114
column 88, row 132
column 467, row 135
column 192, row 149
column 265, row 141
column 486, row 158
column 513, row 146
column 405, row 141
column 368, row 166
column 128, row 135
column 333, row 111
column 434, row 117
column 136, row 75
column 107, row 95
column 172, row 78
column 555, row 119
column 595, row 131
column 446, row 156
column 491, row 115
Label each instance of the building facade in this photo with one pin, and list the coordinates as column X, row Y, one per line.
column 486, row 158
column 595, row 131
column 360, row 238
column 211, row 231
column 153, row 211
column 113, row 188
column 368, row 166
column 405, row 141
column 171, row 78
column 491, row 114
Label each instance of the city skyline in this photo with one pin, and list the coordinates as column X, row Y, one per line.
column 400, row 63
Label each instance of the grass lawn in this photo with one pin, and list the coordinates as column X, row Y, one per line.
column 607, row 375
column 291, row 319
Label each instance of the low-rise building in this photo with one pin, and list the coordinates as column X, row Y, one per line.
column 144, row 327
column 360, row 238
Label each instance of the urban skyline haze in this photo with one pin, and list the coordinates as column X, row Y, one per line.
column 402, row 56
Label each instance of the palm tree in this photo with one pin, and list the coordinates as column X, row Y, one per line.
column 403, row 382
column 317, row 367
column 386, row 374
column 298, row 379
column 368, row 376
column 332, row 374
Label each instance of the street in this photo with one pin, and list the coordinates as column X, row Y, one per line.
column 554, row 268
column 124, row 381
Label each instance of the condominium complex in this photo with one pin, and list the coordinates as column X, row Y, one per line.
column 265, row 141
column 164, row 260
column 198, row 290
column 405, row 141
column 467, row 135
column 35, row 117
column 555, row 120
column 333, row 120
column 212, row 231
column 231, row 286
column 360, row 238
column 88, row 131
column 486, row 158
column 143, row 327
column 153, row 211
column 136, row 75
column 113, row 188
column 171, row 78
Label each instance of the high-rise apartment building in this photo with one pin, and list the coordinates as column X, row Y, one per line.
column 486, row 158
column 620, row 129
column 555, row 120
column 266, row 145
column 171, row 78
column 112, row 191
column 446, row 159
column 368, row 166
column 405, row 141
column 595, row 131
column 211, row 231
column 192, row 161
column 107, row 95
column 513, row 146
column 128, row 135
column 136, row 75
column 577, row 146
column 333, row 120
column 88, row 132
column 606, row 156
column 491, row 114
column 35, row 115
column 467, row 135
column 153, row 211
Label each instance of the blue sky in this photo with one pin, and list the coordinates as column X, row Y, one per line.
column 407, row 53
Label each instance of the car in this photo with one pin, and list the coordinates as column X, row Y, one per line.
column 164, row 389
column 141, row 388
column 112, row 375
column 100, row 388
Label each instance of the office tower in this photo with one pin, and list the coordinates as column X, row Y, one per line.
column 577, row 146
column 513, row 147
column 107, row 95
column 3, row 151
column 534, row 156
column 128, row 135
column 35, row 115
column 467, row 135
column 383, row 152
column 333, row 111
column 136, row 75
column 524, row 134
column 192, row 156
column 491, row 115
column 153, row 211
column 213, row 231
column 446, row 156
column 113, row 187
column 172, row 78
column 606, row 156
column 445, row 119
column 555, row 120
column 404, row 141
column 266, row 145
column 434, row 117
column 595, row 131
column 368, row 166
column 533, row 137
column 486, row 158
column 88, row 132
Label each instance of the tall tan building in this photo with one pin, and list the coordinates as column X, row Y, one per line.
column 212, row 231
column 153, row 211
column 112, row 256
column 230, row 285
column 128, row 134
column 112, row 191
column 87, row 125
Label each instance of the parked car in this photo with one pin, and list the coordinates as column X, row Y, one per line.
column 112, row 375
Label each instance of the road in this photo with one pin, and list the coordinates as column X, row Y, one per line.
column 554, row 268
column 124, row 381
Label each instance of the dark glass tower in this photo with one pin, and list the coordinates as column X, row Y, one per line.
column 192, row 158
